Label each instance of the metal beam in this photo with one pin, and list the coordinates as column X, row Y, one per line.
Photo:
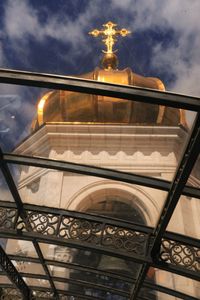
column 94, row 271
column 175, row 190
column 147, row 284
column 42, row 262
column 162, row 289
column 14, row 275
column 11, row 185
column 59, row 82
column 37, row 290
column 22, row 213
column 74, row 266
column 79, row 283
column 139, row 281
column 94, row 239
column 184, row 169
column 86, row 170
column 98, row 172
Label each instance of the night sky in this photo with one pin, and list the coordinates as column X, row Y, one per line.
column 51, row 36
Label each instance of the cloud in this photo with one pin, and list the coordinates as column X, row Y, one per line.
column 22, row 23
column 180, row 57
column 20, row 20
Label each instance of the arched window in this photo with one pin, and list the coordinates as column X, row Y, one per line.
column 114, row 204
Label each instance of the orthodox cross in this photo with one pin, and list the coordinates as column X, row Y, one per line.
column 109, row 34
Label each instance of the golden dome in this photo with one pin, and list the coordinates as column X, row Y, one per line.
column 70, row 107
column 73, row 107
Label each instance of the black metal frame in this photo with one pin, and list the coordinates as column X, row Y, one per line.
column 153, row 246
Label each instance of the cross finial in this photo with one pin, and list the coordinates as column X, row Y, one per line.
column 109, row 35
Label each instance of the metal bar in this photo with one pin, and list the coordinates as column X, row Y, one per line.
column 168, row 291
column 187, row 240
column 48, row 290
column 78, row 296
column 185, row 167
column 89, row 217
column 86, row 170
column 11, row 185
column 139, row 281
column 28, row 236
column 98, row 172
column 42, row 261
column 192, row 192
column 182, row 239
column 23, row 215
column 92, row 285
column 80, row 283
column 59, row 82
column 74, row 266
column 73, row 244
column 163, row 266
column 146, row 284
column 55, row 238
column 14, row 275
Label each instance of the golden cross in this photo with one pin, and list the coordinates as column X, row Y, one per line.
column 110, row 33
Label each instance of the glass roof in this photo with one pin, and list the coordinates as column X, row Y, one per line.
column 77, row 228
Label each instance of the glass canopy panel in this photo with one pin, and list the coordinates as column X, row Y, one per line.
column 88, row 194
column 71, row 257
column 187, row 213
column 90, row 277
column 96, row 292
column 28, row 267
column 20, row 248
column 5, row 194
column 37, row 282
column 177, row 283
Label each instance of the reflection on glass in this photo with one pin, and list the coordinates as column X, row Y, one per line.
column 90, row 259
column 106, row 280
column 20, row 248
column 5, row 194
column 187, row 213
column 37, row 282
column 28, row 267
column 178, row 283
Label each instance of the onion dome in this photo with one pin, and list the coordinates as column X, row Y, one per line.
column 72, row 107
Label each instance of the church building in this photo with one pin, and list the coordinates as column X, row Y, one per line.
column 113, row 134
